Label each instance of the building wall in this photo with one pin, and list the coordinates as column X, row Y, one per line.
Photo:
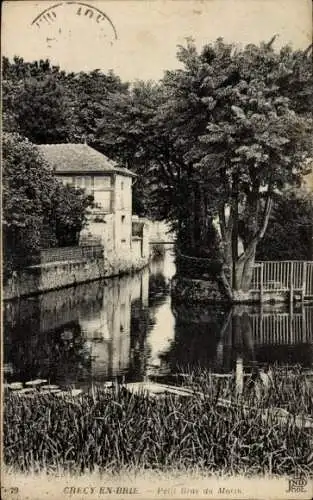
column 137, row 247
column 101, row 225
column 112, row 219
column 100, row 186
column 146, row 240
column 123, row 213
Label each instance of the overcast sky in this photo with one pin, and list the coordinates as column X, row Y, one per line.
column 148, row 32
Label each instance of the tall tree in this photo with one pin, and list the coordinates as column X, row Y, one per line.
column 259, row 141
column 217, row 139
column 43, row 111
column 35, row 101
column 89, row 95
column 127, row 132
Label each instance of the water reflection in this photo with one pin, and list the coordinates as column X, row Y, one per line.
column 96, row 331
column 128, row 328
column 221, row 340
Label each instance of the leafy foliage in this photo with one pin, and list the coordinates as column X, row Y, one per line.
column 289, row 234
column 35, row 100
column 217, row 139
column 38, row 211
column 220, row 135
column 48, row 105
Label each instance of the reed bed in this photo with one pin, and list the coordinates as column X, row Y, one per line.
column 113, row 430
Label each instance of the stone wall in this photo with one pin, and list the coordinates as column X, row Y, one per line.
column 55, row 275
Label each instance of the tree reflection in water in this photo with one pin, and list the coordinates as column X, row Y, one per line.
column 221, row 340
column 55, row 356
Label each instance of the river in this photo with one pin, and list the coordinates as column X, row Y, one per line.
column 128, row 328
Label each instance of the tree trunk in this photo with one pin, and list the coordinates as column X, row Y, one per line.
column 234, row 241
column 245, row 263
column 244, row 269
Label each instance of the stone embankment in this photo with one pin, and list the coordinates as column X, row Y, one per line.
column 60, row 274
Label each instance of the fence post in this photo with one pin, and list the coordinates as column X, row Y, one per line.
column 291, row 283
column 239, row 376
column 261, row 283
column 304, row 280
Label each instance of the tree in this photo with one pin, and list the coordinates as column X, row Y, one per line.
column 48, row 105
column 35, row 100
column 42, row 111
column 38, row 211
column 257, row 138
column 127, row 132
column 290, row 228
column 221, row 136
column 70, row 210
column 89, row 95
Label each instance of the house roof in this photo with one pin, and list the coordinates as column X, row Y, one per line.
column 79, row 159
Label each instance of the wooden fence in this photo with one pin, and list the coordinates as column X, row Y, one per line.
column 292, row 277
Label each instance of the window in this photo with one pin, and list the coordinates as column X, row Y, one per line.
column 67, row 181
column 79, row 182
column 101, row 182
column 88, row 183
column 123, row 219
column 103, row 198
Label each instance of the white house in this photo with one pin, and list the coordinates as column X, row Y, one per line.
column 110, row 222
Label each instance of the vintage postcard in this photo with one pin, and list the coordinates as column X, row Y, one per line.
column 157, row 250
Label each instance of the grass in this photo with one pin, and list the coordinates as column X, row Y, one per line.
column 113, row 430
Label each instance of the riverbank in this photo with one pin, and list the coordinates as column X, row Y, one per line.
column 113, row 429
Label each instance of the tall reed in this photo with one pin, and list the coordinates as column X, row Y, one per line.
column 113, row 429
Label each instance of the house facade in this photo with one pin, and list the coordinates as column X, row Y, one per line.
column 110, row 222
